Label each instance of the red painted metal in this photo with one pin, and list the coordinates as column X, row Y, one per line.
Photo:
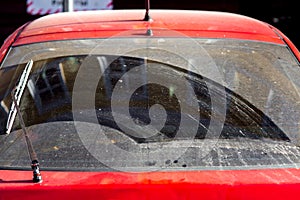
column 275, row 184
column 108, row 23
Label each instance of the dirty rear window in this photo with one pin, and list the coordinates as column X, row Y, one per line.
column 160, row 104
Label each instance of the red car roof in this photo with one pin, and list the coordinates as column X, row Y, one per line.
column 107, row 23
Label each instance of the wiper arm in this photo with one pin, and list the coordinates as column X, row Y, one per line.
column 16, row 95
column 37, row 177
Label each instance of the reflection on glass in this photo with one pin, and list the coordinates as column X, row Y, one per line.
column 47, row 87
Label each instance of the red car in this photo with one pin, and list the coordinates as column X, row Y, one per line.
column 180, row 104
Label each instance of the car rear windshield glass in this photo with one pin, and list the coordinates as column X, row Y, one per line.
column 136, row 104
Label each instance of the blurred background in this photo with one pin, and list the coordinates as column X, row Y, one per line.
column 282, row 14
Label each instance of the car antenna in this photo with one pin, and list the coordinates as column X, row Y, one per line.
column 148, row 18
column 16, row 96
column 147, row 5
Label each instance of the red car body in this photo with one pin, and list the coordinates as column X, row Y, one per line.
column 210, row 184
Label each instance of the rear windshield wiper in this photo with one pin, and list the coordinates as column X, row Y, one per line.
column 19, row 90
column 16, row 95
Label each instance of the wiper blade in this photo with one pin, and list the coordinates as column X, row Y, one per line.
column 16, row 95
column 19, row 90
